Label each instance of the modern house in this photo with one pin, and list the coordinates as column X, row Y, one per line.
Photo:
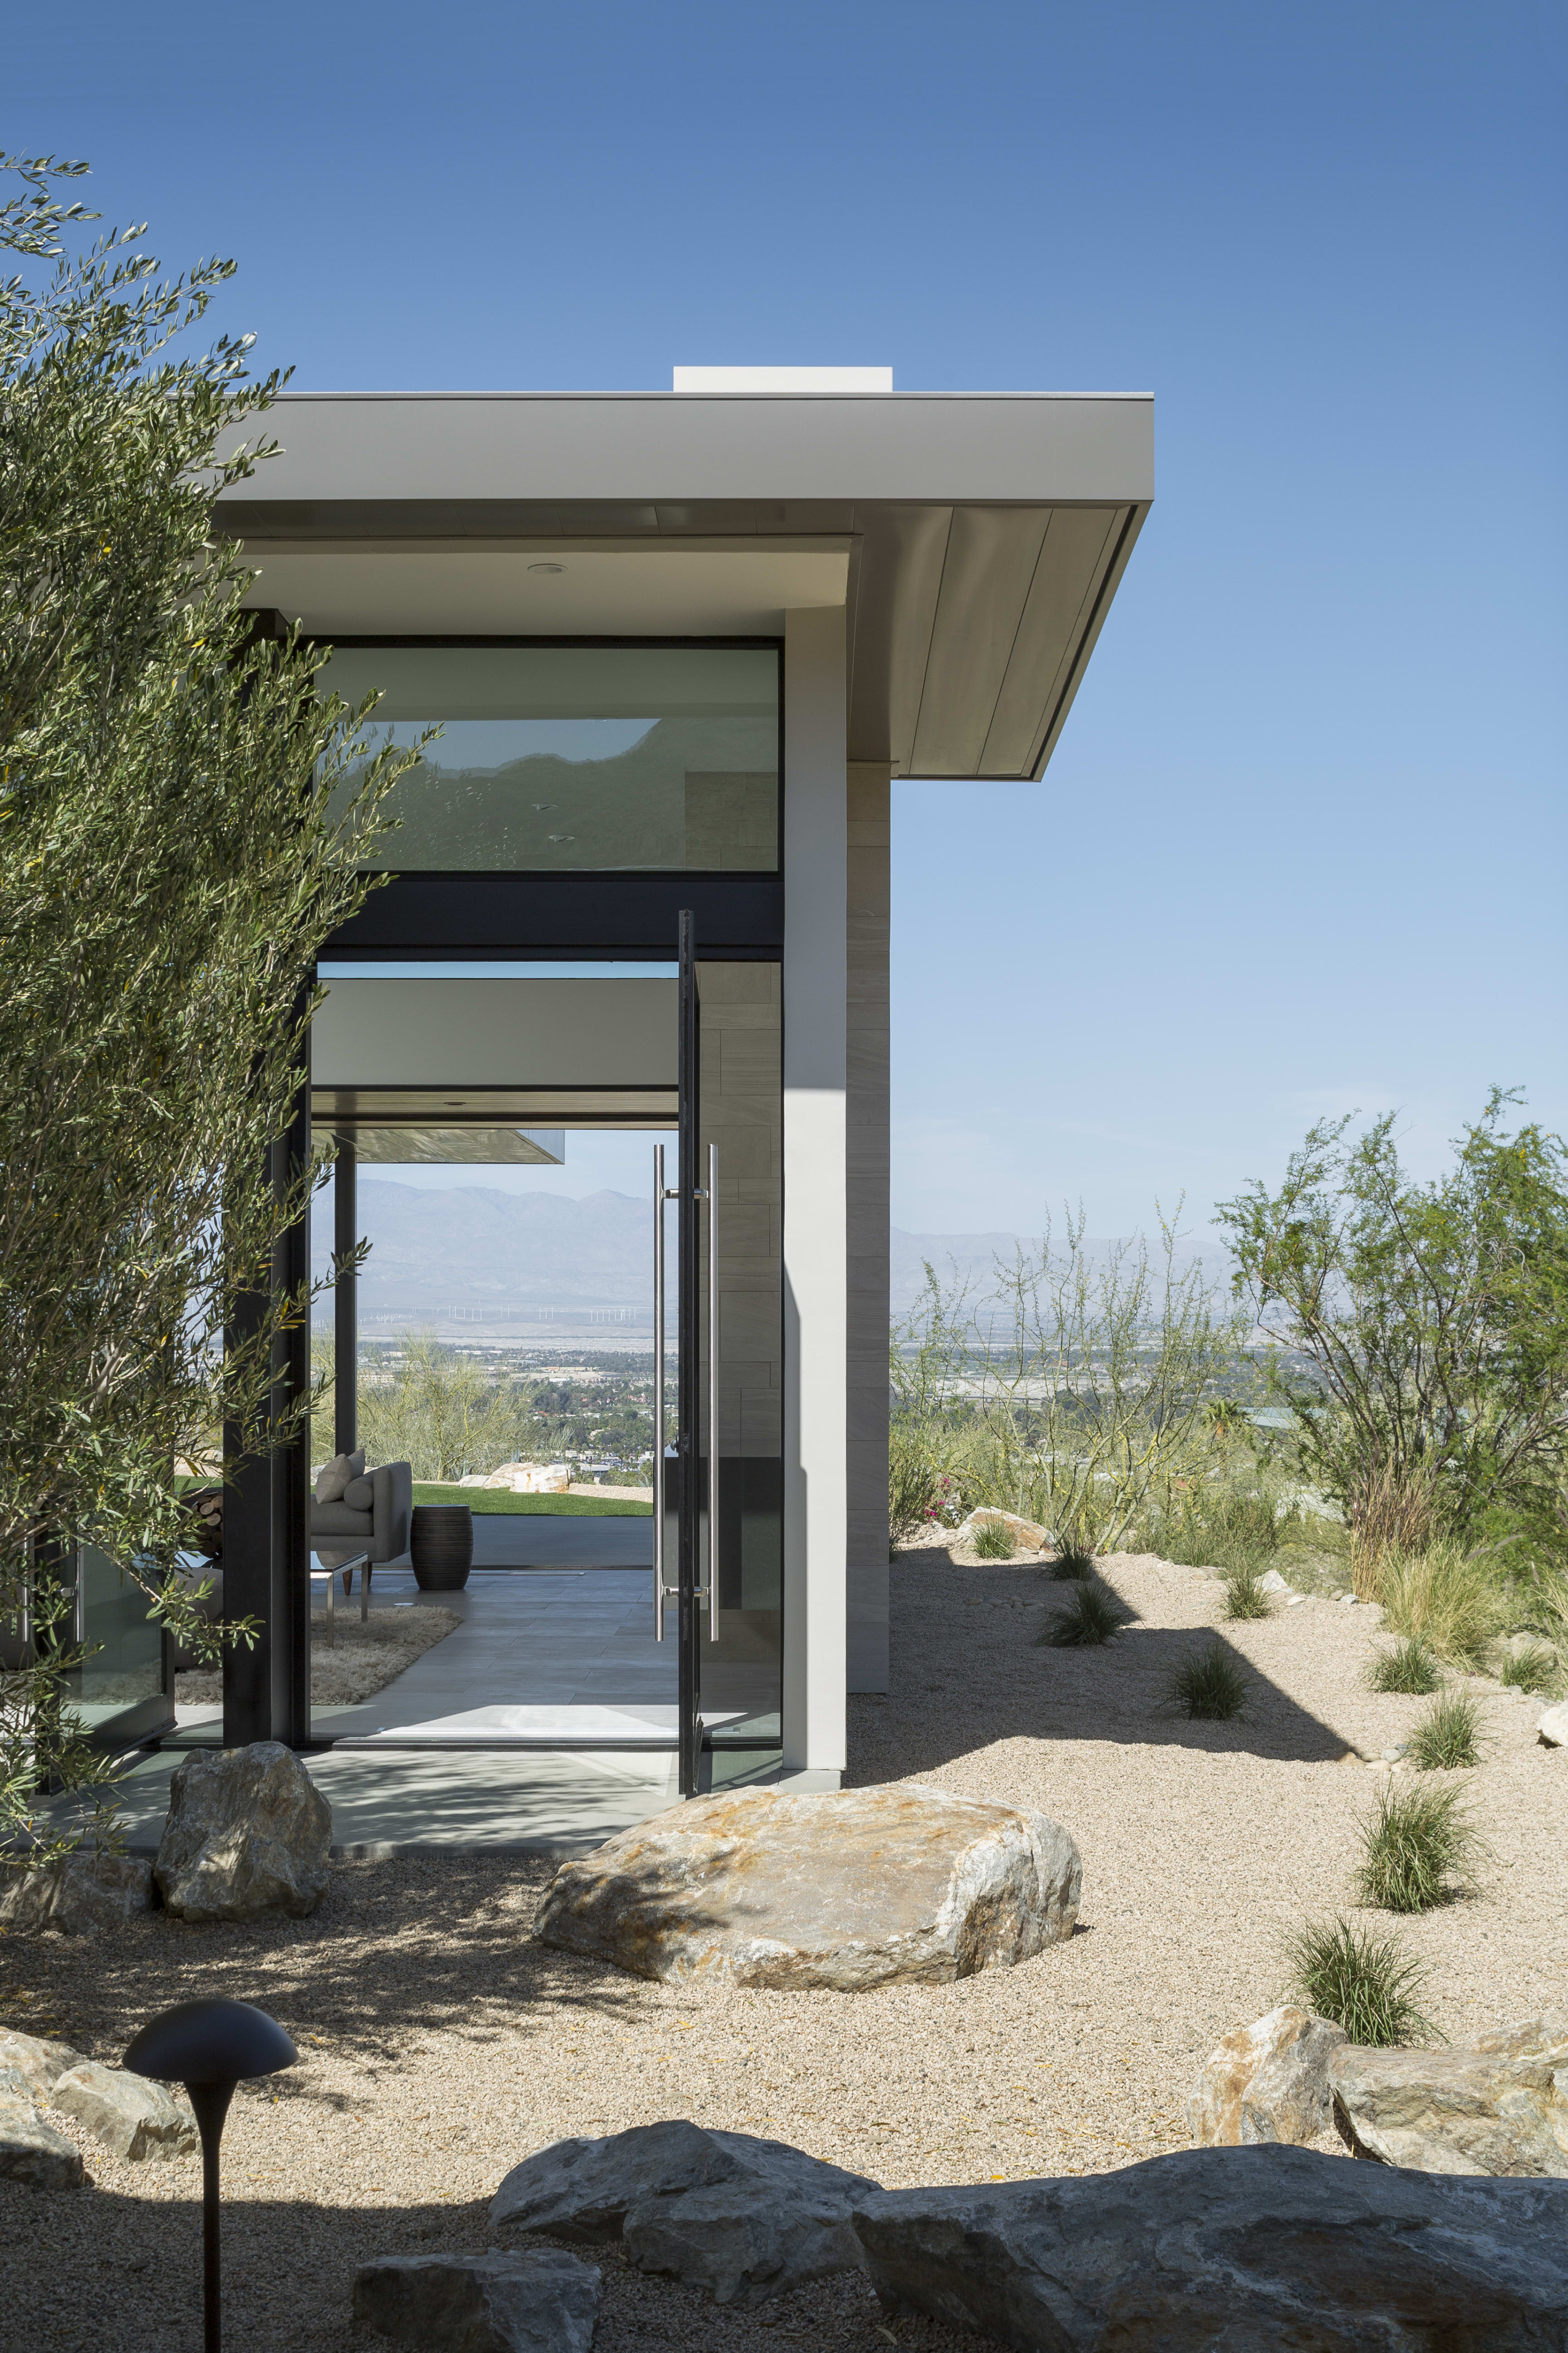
column 681, row 644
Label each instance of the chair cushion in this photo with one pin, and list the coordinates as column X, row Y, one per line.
column 338, row 1519
column 360, row 1494
column 334, row 1476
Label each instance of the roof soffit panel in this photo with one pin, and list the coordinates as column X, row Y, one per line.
column 993, row 553
column 898, row 582
column 1068, row 579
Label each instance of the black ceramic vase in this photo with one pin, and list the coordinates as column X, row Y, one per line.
column 441, row 1545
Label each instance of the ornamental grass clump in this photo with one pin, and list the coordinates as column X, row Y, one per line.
column 1072, row 1564
column 1445, row 1738
column 1359, row 1980
column 1532, row 1668
column 1419, row 1847
column 1409, row 1667
column 1244, row 1594
column 994, row 1540
column 1447, row 1599
column 1209, row 1687
column 1092, row 1616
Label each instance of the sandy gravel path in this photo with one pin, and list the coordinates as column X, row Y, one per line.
column 440, row 2045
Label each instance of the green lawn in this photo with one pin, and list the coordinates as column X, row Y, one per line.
column 607, row 1507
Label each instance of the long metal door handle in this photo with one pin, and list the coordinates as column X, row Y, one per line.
column 659, row 1392
column 712, row 1393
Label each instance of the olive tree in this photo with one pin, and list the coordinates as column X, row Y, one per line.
column 171, row 862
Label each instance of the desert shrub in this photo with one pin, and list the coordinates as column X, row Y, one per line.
column 1212, row 1525
column 1427, row 1319
column 994, row 1540
column 1417, row 1844
column 1360, row 1981
column 1244, row 1594
column 1448, row 1600
column 1408, row 1667
column 1073, row 1564
column 1091, row 1616
column 1445, row 1736
column 1073, row 1390
column 1209, row 1687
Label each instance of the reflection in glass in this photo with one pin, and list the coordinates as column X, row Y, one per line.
column 125, row 1670
column 640, row 759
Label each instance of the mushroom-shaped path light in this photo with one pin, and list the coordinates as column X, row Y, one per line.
column 209, row 2047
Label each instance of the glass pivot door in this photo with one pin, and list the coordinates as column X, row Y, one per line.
column 718, row 1500
column 685, row 1463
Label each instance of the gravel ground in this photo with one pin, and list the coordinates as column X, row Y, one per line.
column 438, row 2045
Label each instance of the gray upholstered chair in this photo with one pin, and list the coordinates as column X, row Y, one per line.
column 382, row 1531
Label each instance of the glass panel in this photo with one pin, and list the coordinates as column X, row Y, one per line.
column 126, row 1669
column 742, row 1111
column 641, row 758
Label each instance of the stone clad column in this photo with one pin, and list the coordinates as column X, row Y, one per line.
column 869, row 912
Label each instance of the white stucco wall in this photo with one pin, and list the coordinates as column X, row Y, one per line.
column 815, row 1259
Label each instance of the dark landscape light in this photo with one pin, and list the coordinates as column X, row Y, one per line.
column 209, row 2047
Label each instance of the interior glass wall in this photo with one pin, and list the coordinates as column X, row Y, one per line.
column 632, row 758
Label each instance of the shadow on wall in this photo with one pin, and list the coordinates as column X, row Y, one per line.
column 967, row 1670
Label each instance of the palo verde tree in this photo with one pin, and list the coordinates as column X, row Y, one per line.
column 1434, row 1317
column 171, row 859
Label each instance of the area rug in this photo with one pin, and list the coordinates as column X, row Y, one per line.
column 368, row 1654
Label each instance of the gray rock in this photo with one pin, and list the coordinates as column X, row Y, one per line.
column 79, row 1897
column 248, row 1832
column 1533, row 1649
column 1267, row 2082
column 545, row 2301
column 31, row 2150
column 1500, row 2107
column 858, row 1888
column 134, row 2118
column 745, row 2219
column 1552, row 1728
column 1272, row 1582
column 39, row 2063
column 1232, row 2251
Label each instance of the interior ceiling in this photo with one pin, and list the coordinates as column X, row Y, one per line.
column 485, row 1109
column 491, row 591
column 443, row 1146
column 969, row 625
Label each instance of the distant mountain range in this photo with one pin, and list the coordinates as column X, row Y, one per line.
column 471, row 1249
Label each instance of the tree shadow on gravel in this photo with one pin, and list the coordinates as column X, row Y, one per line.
column 397, row 1948
column 988, row 1678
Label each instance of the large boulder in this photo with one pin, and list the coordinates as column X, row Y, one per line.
column 746, row 2220
column 31, row 2150
column 248, row 1832
column 39, row 2063
column 1233, row 2250
column 545, row 2301
column 1267, row 2082
column 1552, row 1731
column 1500, row 2107
column 861, row 1888
column 134, row 2118
column 79, row 1897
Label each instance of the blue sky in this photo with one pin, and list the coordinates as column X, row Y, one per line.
column 1301, row 846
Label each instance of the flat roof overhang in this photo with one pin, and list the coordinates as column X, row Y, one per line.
column 974, row 539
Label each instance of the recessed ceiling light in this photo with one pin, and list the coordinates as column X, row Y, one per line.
column 547, row 567
column 455, row 1103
